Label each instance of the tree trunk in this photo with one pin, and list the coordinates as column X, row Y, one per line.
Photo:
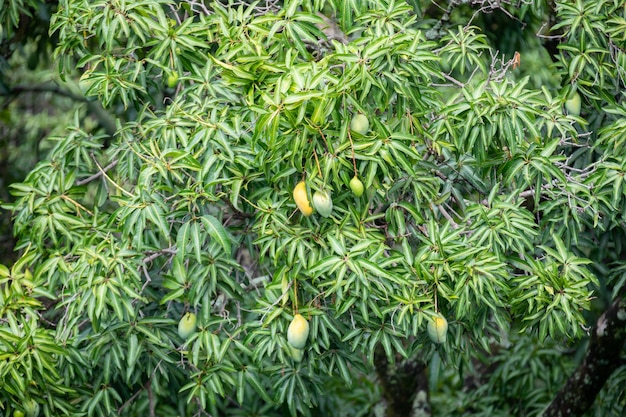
column 404, row 385
column 601, row 359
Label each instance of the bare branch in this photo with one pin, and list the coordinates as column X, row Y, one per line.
column 445, row 214
column 97, row 174
column 171, row 250
column 43, row 88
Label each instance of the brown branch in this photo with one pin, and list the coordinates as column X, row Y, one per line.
column 106, row 120
column 150, row 398
column 43, row 88
column 97, row 174
column 445, row 213
column 601, row 359
column 171, row 251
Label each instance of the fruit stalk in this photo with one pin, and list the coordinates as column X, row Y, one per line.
column 356, row 172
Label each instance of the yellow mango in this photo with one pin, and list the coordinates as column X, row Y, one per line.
column 298, row 332
column 302, row 200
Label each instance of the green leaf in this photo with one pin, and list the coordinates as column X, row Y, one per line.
column 216, row 230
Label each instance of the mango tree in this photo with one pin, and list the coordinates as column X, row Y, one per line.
column 298, row 197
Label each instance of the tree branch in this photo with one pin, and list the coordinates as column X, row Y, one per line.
column 106, row 120
column 44, row 88
column 97, row 174
column 602, row 358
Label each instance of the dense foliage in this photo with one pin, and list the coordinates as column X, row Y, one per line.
column 494, row 196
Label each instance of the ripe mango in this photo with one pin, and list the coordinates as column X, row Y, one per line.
column 437, row 329
column 360, row 124
column 298, row 332
column 323, row 203
column 356, row 186
column 187, row 325
column 302, row 200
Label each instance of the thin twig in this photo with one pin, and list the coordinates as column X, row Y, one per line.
column 278, row 300
column 109, row 178
column 97, row 174
column 134, row 396
column 453, row 80
column 77, row 204
column 317, row 162
column 171, row 250
column 445, row 214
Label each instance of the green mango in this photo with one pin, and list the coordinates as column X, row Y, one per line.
column 172, row 79
column 323, row 203
column 437, row 329
column 187, row 325
column 356, row 186
column 360, row 124
column 31, row 408
column 573, row 104
column 297, row 354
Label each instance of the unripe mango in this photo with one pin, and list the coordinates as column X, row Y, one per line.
column 298, row 332
column 18, row 413
column 31, row 408
column 187, row 325
column 437, row 329
column 323, row 203
column 356, row 186
column 172, row 79
column 360, row 124
column 572, row 105
column 297, row 354
column 302, row 200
